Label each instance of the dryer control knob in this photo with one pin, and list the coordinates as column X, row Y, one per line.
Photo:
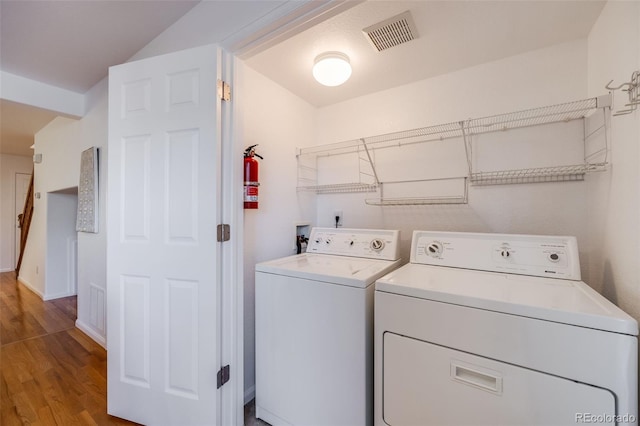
column 377, row 244
column 505, row 251
column 434, row 249
column 554, row 257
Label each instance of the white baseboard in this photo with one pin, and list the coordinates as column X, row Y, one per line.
column 97, row 337
column 56, row 296
column 42, row 295
column 249, row 394
column 7, row 270
column 31, row 287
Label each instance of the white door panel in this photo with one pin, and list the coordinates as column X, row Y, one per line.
column 163, row 257
column 427, row 384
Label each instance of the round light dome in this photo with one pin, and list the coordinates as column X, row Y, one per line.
column 332, row 68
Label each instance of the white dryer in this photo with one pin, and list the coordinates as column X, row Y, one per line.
column 314, row 328
column 490, row 329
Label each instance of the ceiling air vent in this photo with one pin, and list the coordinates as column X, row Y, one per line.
column 391, row 32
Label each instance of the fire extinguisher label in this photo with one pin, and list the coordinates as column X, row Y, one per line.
column 250, row 193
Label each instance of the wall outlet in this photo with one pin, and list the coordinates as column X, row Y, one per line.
column 337, row 218
column 302, row 237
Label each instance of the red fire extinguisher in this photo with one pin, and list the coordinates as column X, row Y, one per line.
column 251, row 178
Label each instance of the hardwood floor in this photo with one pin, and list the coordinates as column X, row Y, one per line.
column 50, row 372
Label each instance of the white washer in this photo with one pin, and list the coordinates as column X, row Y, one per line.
column 490, row 329
column 314, row 328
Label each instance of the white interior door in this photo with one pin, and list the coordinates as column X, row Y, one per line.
column 22, row 189
column 162, row 252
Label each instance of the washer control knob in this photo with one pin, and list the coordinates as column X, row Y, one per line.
column 377, row 244
column 328, row 241
column 434, row 249
column 351, row 242
column 554, row 257
column 505, row 251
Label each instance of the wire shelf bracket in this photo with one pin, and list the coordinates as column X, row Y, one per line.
column 461, row 198
column 577, row 110
column 308, row 174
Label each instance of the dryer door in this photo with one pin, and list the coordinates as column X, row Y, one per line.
column 427, row 384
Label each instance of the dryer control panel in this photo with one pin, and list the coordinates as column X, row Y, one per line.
column 536, row 255
column 369, row 243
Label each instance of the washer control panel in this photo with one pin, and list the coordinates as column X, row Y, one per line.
column 369, row 243
column 536, row 255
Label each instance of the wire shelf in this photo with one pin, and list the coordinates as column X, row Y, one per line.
column 464, row 130
column 536, row 175
column 327, row 150
column 525, row 118
column 339, row 188
column 415, row 201
column 532, row 117
column 422, row 134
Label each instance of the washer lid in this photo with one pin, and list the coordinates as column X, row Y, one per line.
column 550, row 299
column 350, row 271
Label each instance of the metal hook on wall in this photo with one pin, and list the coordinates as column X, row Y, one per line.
column 618, row 87
column 633, row 90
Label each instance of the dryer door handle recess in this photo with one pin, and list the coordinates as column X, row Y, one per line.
column 476, row 377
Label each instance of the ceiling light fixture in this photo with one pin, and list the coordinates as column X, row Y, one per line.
column 332, row 68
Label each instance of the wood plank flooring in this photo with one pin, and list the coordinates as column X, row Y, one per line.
column 50, row 372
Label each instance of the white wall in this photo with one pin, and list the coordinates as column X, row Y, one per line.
column 58, row 143
column 279, row 122
column 521, row 81
column 511, row 84
column 61, row 142
column 92, row 248
column 9, row 166
column 614, row 197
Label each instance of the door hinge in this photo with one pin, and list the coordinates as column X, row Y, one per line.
column 224, row 232
column 223, row 376
column 224, row 90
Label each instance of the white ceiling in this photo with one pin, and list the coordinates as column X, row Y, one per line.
column 452, row 35
column 71, row 44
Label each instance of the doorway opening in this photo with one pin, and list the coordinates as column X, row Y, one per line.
column 62, row 244
column 22, row 181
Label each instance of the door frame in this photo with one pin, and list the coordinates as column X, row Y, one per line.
column 284, row 22
column 231, row 301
